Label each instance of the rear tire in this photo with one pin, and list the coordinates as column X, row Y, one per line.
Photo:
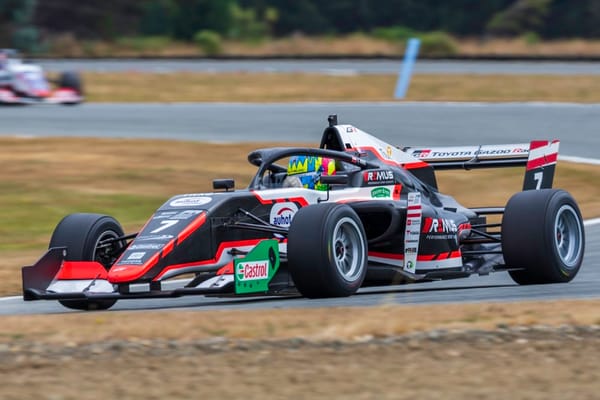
column 542, row 233
column 81, row 234
column 327, row 251
column 71, row 80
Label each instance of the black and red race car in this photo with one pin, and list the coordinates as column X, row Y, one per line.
column 322, row 222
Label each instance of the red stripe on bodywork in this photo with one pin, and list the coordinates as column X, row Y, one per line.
column 397, row 191
column 127, row 273
column 542, row 161
column 222, row 247
column 226, row 270
column 536, row 144
column 421, row 257
column 300, row 200
column 193, row 226
column 82, row 270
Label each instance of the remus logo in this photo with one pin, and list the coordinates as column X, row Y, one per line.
column 283, row 213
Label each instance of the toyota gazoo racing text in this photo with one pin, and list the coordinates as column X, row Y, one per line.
column 368, row 214
column 25, row 83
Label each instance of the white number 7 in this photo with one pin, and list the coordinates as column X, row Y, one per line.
column 538, row 177
column 166, row 224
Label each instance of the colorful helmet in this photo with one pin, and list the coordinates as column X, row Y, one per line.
column 309, row 170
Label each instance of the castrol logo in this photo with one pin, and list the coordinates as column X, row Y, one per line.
column 252, row 270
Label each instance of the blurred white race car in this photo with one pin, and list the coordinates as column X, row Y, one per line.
column 25, row 83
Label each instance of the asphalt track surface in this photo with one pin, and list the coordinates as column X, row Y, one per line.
column 331, row 67
column 399, row 123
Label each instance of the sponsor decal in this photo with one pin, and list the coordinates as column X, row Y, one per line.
column 439, row 228
column 186, row 214
column 147, row 246
column 190, row 201
column 253, row 270
column 282, row 214
column 158, row 238
column 439, row 225
column 134, row 258
column 349, row 129
column 378, row 177
column 421, row 153
column 381, row 192
column 428, row 153
column 388, row 151
column 412, row 231
column 138, row 255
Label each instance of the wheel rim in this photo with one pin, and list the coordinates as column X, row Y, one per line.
column 568, row 236
column 104, row 255
column 348, row 249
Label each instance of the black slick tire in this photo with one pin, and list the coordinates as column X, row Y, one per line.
column 80, row 234
column 543, row 236
column 327, row 251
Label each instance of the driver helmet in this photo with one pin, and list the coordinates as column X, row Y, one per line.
column 309, row 169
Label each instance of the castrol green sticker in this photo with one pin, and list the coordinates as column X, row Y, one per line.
column 254, row 272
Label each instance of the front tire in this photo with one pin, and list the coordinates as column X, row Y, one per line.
column 543, row 233
column 81, row 234
column 327, row 251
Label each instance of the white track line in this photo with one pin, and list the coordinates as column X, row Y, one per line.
column 10, row 298
column 590, row 222
column 580, row 160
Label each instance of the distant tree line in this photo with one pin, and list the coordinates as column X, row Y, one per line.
column 24, row 22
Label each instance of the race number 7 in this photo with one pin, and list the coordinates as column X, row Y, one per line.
column 538, row 177
column 166, row 224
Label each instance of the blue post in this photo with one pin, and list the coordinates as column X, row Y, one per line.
column 412, row 50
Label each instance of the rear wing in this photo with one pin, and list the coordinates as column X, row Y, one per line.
column 539, row 158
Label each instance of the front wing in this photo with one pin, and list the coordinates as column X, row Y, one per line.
column 252, row 274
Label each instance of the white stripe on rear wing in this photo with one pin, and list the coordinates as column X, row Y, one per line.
column 468, row 157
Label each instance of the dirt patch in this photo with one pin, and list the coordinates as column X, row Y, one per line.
column 391, row 352
column 313, row 324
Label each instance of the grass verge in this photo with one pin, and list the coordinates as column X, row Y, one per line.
column 136, row 86
column 299, row 45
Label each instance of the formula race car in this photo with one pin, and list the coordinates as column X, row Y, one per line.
column 322, row 222
column 25, row 83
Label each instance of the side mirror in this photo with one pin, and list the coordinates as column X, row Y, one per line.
column 335, row 179
column 223, row 184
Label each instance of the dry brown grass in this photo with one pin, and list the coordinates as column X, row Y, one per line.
column 300, row 45
column 319, row 324
column 564, row 47
column 248, row 87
